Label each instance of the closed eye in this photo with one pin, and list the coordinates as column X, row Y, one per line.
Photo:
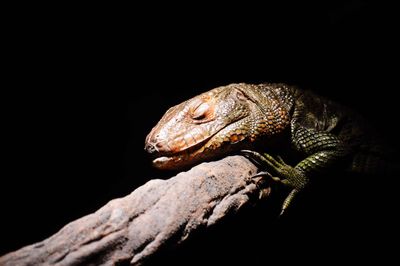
column 202, row 113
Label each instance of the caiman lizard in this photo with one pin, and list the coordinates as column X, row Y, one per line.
column 311, row 132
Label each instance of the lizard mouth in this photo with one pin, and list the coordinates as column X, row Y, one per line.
column 176, row 158
column 196, row 152
column 162, row 160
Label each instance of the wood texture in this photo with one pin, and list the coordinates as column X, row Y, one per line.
column 159, row 214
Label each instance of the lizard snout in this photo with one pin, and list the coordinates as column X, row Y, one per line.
column 155, row 144
column 150, row 147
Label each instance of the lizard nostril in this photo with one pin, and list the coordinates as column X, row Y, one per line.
column 149, row 147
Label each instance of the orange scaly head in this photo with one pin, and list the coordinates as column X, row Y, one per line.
column 215, row 123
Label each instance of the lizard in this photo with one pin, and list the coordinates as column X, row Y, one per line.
column 315, row 133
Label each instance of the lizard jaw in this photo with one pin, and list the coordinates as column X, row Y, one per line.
column 181, row 159
column 161, row 162
column 169, row 160
column 206, row 149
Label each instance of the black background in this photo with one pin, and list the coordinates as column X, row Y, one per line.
column 85, row 85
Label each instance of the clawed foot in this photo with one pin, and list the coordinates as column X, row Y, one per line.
column 261, row 183
column 288, row 175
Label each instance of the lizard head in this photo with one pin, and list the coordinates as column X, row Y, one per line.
column 211, row 125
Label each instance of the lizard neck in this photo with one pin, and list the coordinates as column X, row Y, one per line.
column 273, row 107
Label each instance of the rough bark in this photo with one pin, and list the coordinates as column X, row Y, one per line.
column 158, row 214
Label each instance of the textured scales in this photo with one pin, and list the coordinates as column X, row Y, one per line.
column 218, row 122
column 313, row 133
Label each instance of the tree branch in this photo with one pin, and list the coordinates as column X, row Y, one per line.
column 158, row 214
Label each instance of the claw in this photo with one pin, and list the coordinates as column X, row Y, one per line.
column 260, row 183
column 261, row 160
column 263, row 173
column 254, row 156
column 263, row 193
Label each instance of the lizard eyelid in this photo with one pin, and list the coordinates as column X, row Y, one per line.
column 201, row 111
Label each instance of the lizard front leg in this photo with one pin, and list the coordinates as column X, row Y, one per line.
column 280, row 172
column 322, row 151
